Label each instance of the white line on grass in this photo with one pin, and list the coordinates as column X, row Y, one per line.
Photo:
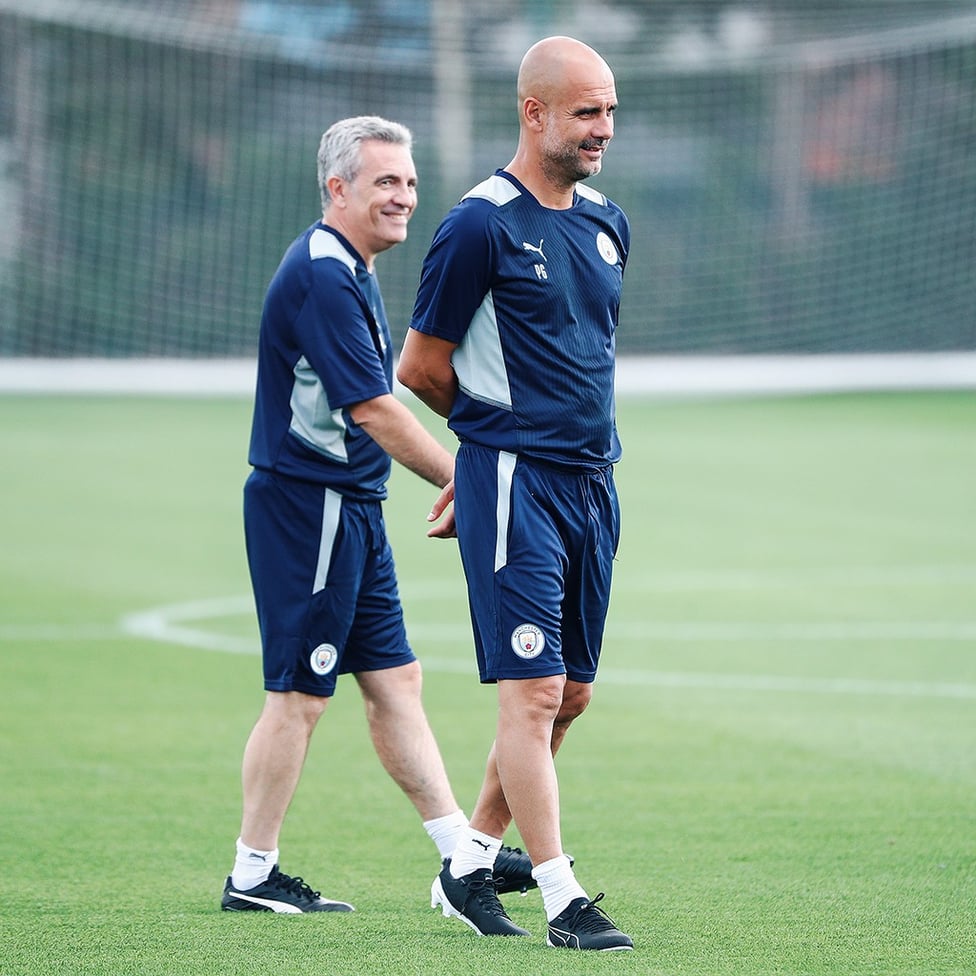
column 845, row 576
column 738, row 632
column 752, row 682
column 169, row 624
column 628, row 579
column 59, row 632
column 728, row 632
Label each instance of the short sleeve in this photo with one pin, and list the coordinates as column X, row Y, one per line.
column 456, row 273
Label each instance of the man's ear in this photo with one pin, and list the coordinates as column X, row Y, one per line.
column 337, row 190
column 533, row 111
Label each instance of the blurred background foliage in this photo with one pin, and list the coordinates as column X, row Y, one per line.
column 800, row 174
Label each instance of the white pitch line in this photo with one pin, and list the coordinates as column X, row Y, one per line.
column 845, row 576
column 629, row 579
column 738, row 632
column 168, row 624
column 60, row 632
column 751, row 682
column 823, row 632
column 802, row 685
column 158, row 625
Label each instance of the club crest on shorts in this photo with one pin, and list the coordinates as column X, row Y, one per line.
column 324, row 658
column 528, row 641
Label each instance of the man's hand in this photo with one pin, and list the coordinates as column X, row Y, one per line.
column 441, row 507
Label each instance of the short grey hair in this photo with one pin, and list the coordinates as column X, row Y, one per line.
column 339, row 150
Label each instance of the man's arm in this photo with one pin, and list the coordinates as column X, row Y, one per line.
column 392, row 425
column 406, row 440
column 425, row 369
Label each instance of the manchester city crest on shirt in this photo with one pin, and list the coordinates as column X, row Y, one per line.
column 607, row 249
column 528, row 641
column 324, row 658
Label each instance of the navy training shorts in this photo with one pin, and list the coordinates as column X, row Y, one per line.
column 324, row 584
column 537, row 544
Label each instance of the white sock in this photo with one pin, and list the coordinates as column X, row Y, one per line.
column 445, row 831
column 557, row 884
column 475, row 851
column 251, row 867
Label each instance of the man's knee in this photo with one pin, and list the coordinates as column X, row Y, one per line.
column 391, row 687
column 535, row 699
column 576, row 696
column 291, row 709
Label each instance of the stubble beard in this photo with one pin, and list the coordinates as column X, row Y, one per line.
column 564, row 167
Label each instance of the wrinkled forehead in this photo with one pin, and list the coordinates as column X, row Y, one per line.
column 596, row 93
column 584, row 95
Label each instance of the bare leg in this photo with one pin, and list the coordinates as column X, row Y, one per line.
column 523, row 759
column 273, row 760
column 403, row 738
column 491, row 813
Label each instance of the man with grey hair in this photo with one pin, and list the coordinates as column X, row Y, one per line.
column 325, row 428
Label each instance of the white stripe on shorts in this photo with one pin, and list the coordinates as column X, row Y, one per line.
column 503, row 506
column 331, row 509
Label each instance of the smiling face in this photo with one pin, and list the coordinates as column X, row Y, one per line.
column 567, row 100
column 372, row 210
column 578, row 127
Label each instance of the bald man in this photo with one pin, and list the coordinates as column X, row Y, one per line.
column 512, row 340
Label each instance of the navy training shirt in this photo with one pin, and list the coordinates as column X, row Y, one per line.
column 531, row 297
column 324, row 345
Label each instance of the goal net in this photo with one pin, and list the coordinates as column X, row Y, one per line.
column 798, row 181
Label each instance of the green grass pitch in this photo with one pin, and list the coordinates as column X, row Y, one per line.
column 777, row 774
